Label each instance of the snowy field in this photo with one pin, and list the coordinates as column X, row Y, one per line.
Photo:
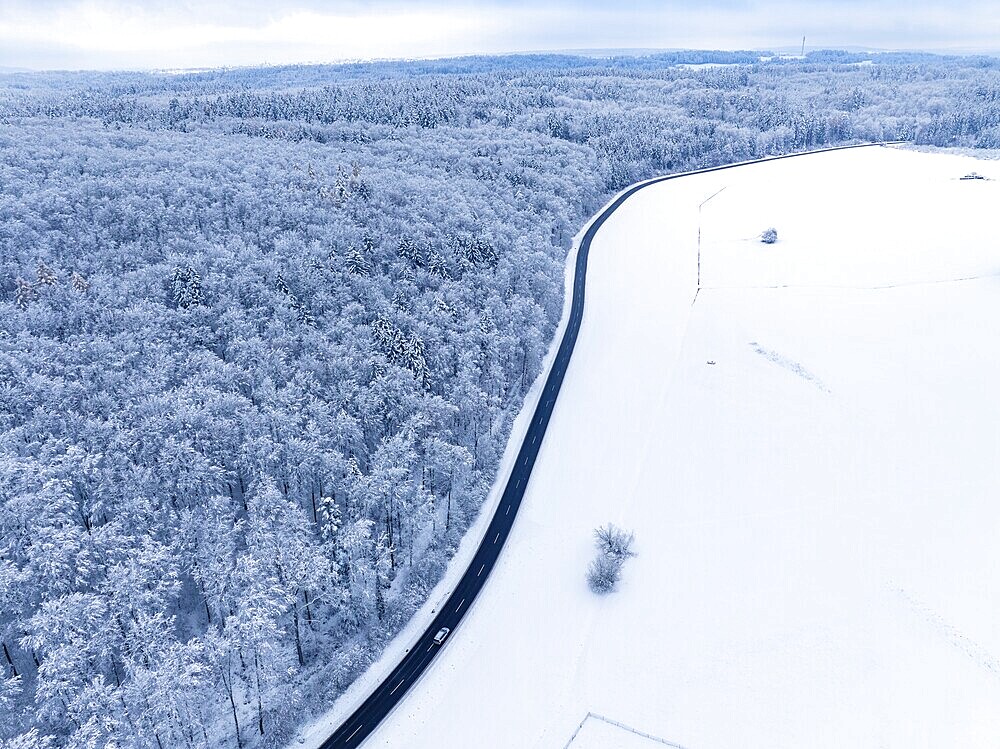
column 808, row 455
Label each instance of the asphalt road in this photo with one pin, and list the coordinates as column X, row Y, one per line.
column 394, row 688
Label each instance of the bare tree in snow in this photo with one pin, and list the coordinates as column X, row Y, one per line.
column 615, row 542
column 614, row 546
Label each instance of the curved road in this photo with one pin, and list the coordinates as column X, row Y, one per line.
column 391, row 691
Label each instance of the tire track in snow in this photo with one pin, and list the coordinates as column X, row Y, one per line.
column 791, row 365
column 980, row 655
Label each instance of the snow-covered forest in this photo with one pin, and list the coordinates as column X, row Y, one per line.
column 263, row 333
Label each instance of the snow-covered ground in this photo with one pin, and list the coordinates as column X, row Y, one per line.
column 809, row 456
column 597, row 732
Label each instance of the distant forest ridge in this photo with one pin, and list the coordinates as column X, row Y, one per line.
column 304, row 74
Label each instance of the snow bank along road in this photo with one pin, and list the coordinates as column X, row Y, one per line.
column 394, row 688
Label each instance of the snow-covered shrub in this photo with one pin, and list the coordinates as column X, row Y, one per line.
column 769, row 236
column 615, row 542
column 614, row 546
column 603, row 573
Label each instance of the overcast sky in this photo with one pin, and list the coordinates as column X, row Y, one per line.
column 103, row 34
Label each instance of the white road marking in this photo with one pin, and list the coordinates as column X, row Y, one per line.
column 506, row 513
column 460, row 606
column 397, row 686
column 355, row 731
column 534, row 439
column 497, row 538
column 518, row 484
column 480, row 570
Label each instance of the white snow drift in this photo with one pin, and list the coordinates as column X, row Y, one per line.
column 810, row 458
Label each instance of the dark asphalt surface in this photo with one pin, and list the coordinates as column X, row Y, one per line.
column 391, row 691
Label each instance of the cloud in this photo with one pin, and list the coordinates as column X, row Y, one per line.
column 186, row 33
column 102, row 35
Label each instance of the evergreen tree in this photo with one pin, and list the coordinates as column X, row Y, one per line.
column 45, row 275
column 24, row 294
column 80, row 283
column 186, row 287
column 356, row 263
